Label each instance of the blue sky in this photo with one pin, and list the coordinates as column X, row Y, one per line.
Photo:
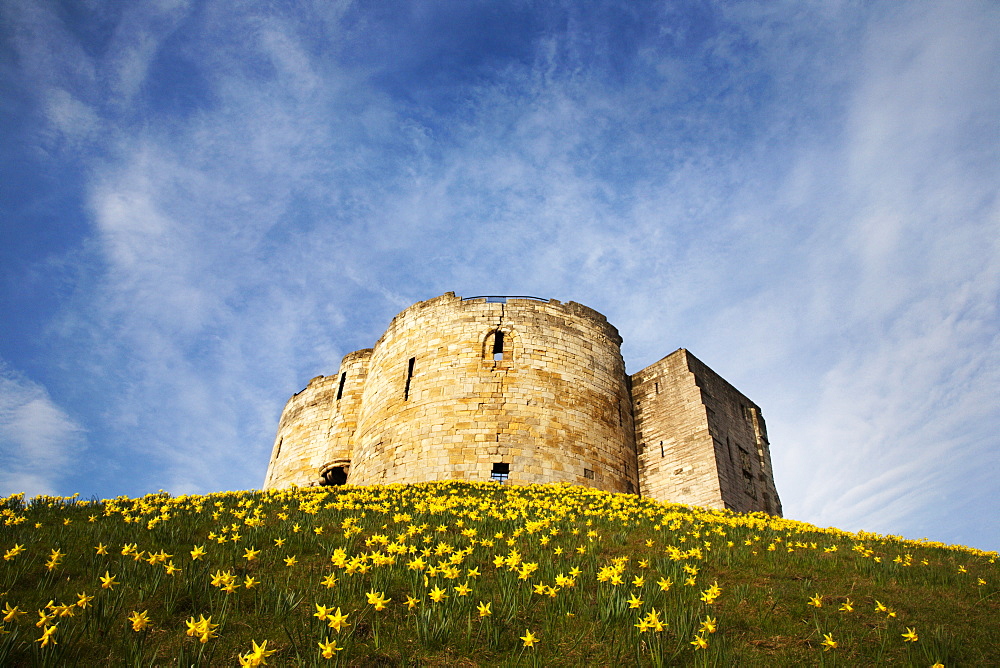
column 205, row 204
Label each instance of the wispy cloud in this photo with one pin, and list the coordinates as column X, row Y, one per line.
column 39, row 443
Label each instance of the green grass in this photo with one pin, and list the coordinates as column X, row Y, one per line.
column 557, row 562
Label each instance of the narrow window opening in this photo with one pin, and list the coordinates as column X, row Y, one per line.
column 500, row 472
column 497, row 346
column 588, row 473
column 278, row 451
column 661, row 449
column 340, row 389
column 409, row 376
column 657, row 387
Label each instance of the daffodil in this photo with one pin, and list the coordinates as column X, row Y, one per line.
column 337, row 621
column 11, row 614
column 529, row 639
column 411, row 602
column 140, row 620
column 376, row 599
column 437, row 594
column 910, row 635
column 329, row 648
column 708, row 625
column 828, row 642
column 47, row 635
column 257, row 656
column 484, row 609
column 699, row 642
column 107, row 580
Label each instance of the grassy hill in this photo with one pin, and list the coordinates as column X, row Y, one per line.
column 470, row 574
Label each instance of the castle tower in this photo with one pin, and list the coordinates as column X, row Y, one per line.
column 700, row 440
column 517, row 389
column 524, row 390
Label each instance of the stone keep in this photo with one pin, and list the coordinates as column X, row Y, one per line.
column 524, row 390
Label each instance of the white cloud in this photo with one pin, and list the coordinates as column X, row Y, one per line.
column 39, row 442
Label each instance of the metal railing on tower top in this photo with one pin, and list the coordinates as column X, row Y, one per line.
column 502, row 299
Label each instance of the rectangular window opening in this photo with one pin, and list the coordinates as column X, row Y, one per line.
column 588, row 473
column 340, row 389
column 657, row 387
column 500, row 472
column 661, row 450
column 409, row 376
column 497, row 346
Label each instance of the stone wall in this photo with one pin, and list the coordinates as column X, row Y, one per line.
column 700, row 440
column 553, row 408
column 302, row 443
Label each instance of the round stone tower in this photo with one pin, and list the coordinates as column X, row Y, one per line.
column 313, row 445
column 513, row 389
column 516, row 389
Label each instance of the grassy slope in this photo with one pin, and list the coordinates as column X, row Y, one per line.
column 374, row 540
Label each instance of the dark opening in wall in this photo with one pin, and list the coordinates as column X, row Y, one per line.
column 657, row 387
column 588, row 473
column 340, row 388
column 661, row 449
column 500, row 472
column 277, row 453
column 335, row 476
column 409, row 376
column 497, row 346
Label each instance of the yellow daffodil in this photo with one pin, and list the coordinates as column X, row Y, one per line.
column 140, row 620
column 828, row 642
column 203, row 628
column 257, row 656
column 529, row 639
column 708, row 625
column 910, row 635
column 699, row 642
column 376, row 599
column 816, row 601
column 337, row 621
column 329, row 648
column 47, row 636
column 197, row 553
column 108, row 581
column 11, row 614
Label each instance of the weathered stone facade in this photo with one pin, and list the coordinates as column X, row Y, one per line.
column 524, row 390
